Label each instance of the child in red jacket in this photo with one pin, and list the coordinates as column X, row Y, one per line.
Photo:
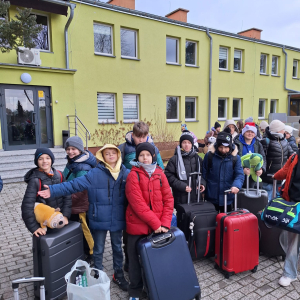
column 150, row 208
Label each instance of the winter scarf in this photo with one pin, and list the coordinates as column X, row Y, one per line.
column 148, row 168
column 180, row 165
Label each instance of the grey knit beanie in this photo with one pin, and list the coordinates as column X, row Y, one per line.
column 249, row 120
column 75, row 141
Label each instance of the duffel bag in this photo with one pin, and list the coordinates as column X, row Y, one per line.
column 283, row 214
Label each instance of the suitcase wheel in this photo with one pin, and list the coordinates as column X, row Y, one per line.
column 283, row 257
column 227, row 275
column 216, row 266
column 254, row 270
column 198, row 297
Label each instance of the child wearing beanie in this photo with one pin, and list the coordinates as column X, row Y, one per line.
column 80, row 162
column 150, row 208
column 107, row 204
column 213, row 133
column 185, row 161
column 43, row 174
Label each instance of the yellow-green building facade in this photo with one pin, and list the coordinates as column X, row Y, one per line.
column 126, row 65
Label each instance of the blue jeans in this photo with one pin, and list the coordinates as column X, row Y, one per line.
column 269, row 188
column 291, row 245
column 116, row 245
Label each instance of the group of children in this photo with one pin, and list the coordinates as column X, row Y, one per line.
column 134, row 198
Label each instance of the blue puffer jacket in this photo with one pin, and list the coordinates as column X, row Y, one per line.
column 222, row 176
column 128, row 151
column 293, row 144
column 106, row 196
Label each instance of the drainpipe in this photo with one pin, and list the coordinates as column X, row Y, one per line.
column 285, row 72
column 72, row 8
column 210, row 71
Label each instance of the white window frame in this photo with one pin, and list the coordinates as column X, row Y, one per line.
column 111, row 37
column 138, row 109
column 196, row 49
column 264, row 114
column 136, row 43
column 239, row 112
column 177, row 50
column 297, row 63
column 48, row 25
column 238, row 50
column 227, row 51
column 225, row 117
column 177, row 119
column 266, row 65
column 275, row 101
column 195, row 99
column 277, row 59
column 107, row 120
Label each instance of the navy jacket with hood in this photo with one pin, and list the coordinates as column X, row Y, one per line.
column 222, row 176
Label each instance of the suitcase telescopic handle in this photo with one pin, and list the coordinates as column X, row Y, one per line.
column 274, row 185
column 199, row 183
column 257, row 185
column 41, row 280
column 225, row 201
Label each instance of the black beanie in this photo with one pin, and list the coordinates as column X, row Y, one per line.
column 224, row 138
column 217, row 125
column 145, row 147
column 186, row 135
column 41, row 151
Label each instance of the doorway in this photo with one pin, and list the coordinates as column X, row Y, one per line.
column 26, row 121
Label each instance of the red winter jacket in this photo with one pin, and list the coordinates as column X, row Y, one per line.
column 150, row 201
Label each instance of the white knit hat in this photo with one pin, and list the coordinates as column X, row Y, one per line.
column 249, row 128
column 276, row 126
column 263, row 125
column 290, row 129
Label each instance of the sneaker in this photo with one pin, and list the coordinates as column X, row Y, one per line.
column 286, row 281
column 134, row 298
column 119, row 279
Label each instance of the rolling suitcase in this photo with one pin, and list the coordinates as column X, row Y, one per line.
column 269, row 242
column 167, row 267
column 198, row 222
column 37, row 280
column 237, row 240
column 54, row 254
column 253, row 200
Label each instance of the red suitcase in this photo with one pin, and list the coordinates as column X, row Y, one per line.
column 237, row 240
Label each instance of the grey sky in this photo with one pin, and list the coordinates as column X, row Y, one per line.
column 278, row 19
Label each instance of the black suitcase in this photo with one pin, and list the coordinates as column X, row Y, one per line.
column 253, row 200
column 269, row 243
column 54, row 254
column 167, row 268
column 198, row 223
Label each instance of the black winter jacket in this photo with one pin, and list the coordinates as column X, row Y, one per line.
column 32, row 179
column 178, row 186
column 293, row 143
column 277, row 153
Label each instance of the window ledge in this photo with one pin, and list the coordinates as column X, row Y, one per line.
column 225, row 70
column 222, row 119
column 50, row 52
column 107, row 123
column 190, row 121
column 191, row 66
column 173, row 64
column 264, row 74
column 170, row 121
column 130, row 58
column 262, row 118
column 130, row 122
column 273, row 75
column 236, row 71
column 99, row 54
column 296, row 78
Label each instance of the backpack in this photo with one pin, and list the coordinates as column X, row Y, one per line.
column 122, row 149
column 39, row 182
column 210, row 158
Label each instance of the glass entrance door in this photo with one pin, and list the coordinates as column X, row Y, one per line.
column 25, row 117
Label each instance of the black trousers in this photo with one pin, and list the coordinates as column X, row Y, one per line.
column 135, row 273
column 220, row 209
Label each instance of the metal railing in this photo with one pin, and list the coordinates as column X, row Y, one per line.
column 79, row 128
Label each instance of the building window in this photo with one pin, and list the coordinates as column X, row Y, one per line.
column 172, row 50
column 106, row 107
column 190, row 109
column 274, row 65
column 172, row 108
column 295, row 68
column 223, row 58
column 236, row 109
column 191, row 53
column 130, row 107
column 237, row 64
column 263, row 64
column 42, row 41
column 222, row 109
column 261, row 108
column 273, row 106
column 128, row 43
column 103, row 42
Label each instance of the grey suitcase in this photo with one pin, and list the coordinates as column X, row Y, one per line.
column 38, row 280
column 54, row 254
